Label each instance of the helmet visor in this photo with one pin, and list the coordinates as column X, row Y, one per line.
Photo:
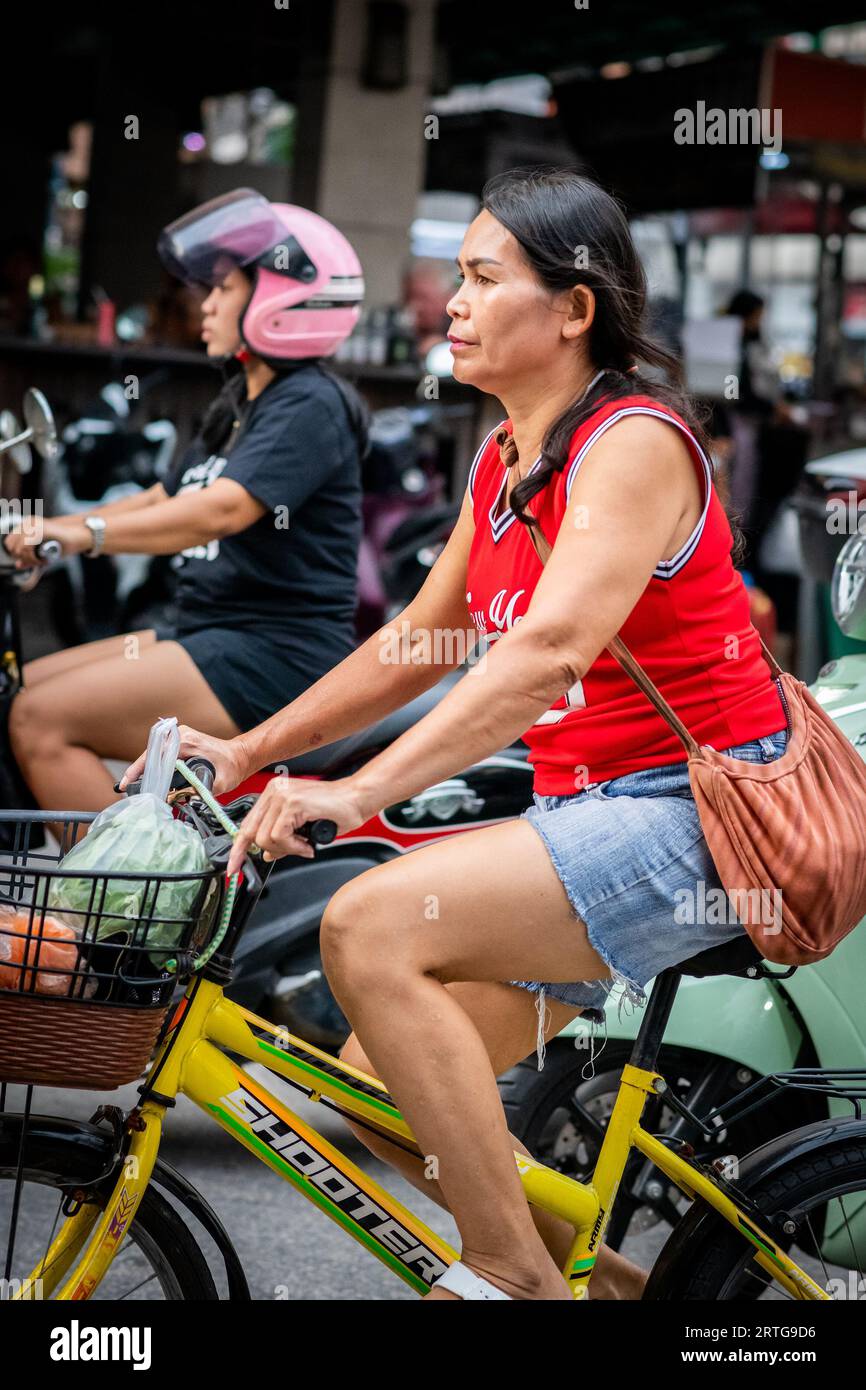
column 233, row 231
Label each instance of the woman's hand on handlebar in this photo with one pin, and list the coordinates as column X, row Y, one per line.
column 225, row 754
column 288, row 803
column 21, row 545
column 69, row 531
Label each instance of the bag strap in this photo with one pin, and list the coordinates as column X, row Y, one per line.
column 633, row 668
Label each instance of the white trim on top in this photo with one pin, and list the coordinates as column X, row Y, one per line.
column 665, row 569
column 500, row 524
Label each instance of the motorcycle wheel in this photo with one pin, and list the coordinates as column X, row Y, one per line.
column 561, row 1116
column 310, row 1010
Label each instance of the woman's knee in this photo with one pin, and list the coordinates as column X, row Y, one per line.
column 35, row 724
column 357, row 938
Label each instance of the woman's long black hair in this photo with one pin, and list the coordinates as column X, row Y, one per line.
column 574, row 233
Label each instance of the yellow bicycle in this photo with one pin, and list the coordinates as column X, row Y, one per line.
column 106, row 1228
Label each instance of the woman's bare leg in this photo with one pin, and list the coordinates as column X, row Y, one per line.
column 67, row 723
column 507, row 1019
column 485, row 906
column 57, row 663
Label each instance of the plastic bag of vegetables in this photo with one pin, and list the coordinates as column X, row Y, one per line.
column 138, row 835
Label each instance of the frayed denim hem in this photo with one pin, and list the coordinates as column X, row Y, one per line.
column 630, row 989
column 596, row 1018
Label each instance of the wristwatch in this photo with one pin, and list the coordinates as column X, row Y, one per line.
column 96, row 527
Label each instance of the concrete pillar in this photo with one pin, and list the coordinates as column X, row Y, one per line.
column 362, row 153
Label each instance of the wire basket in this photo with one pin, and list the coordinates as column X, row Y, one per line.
column 83, row 991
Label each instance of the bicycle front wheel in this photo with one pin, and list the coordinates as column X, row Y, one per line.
column 812, row 1205
column 159, row 1259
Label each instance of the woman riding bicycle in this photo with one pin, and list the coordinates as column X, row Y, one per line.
column 263, row 513
column 438, row 958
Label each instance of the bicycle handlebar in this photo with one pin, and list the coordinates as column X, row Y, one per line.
column 45, row 552
column 318, row 832
column 204, row 771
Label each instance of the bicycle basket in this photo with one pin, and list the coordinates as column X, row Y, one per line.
column 83, row 995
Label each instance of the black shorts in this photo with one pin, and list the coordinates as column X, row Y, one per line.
column 253, row 673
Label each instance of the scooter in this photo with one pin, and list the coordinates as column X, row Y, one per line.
column 402, row 483
column 725, row 1031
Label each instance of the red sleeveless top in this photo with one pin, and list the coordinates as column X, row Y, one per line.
column 690, row 629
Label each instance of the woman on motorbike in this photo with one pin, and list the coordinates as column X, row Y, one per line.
column 263, row 513
column 438, row 958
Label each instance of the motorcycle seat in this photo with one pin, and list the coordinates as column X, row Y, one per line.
column 357, row 748
column 735, row 957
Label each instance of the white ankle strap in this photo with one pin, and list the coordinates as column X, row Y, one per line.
column 459, row 1279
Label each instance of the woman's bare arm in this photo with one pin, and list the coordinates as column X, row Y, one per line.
column 124, row 505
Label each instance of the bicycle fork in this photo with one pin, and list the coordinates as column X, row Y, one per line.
column 87, row 1242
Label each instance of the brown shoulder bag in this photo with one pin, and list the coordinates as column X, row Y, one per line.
column 791, row 833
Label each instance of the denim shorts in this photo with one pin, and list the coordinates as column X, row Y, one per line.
column 626, row 851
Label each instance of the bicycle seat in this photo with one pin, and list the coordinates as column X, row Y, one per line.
column 358, row 747
column 733, row 957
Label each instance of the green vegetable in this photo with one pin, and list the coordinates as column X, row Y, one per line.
column 138, row 835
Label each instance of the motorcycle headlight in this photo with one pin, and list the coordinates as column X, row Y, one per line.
column 848, row 588
column 499, row 788
column 442, row 803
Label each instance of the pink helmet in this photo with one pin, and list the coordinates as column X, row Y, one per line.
column 308, row 284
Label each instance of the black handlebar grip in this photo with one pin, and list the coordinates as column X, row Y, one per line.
column 319, row 832
column 203, row 770
column 46, row 550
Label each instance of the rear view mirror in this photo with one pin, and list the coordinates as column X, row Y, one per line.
column 40, row 423
column 19, row 452
column 848, row 588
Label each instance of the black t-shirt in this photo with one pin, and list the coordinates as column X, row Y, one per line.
column 292, row 573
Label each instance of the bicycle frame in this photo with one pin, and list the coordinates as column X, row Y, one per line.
column 191, row 1063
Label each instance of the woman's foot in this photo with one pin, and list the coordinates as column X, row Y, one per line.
column 615, row 1277
column 543, row 1283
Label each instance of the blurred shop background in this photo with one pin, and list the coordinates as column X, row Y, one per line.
column 387, row 116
